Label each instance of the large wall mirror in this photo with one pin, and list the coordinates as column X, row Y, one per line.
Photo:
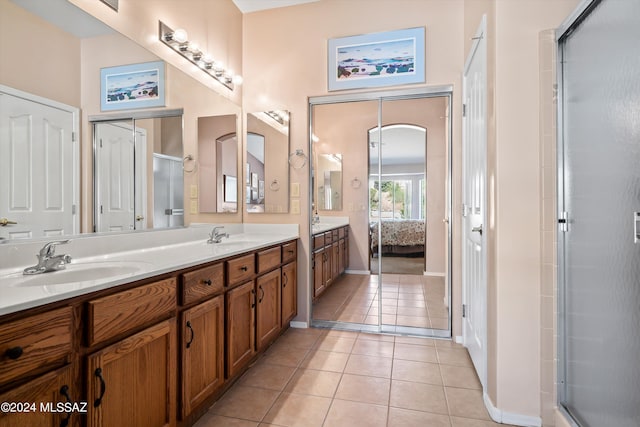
column 75, row 46
column 267, row 168
column 329, row 182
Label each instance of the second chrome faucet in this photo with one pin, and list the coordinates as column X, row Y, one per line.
column 215, row 237
column 48, row 260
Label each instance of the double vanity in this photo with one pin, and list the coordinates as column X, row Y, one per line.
column 146, row 328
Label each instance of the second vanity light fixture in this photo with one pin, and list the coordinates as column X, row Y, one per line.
column 178, row 41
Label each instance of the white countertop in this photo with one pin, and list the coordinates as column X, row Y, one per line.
column 104, row 261
column 329, row 223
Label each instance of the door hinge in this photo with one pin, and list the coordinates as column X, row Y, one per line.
column 464, row 110
column 100, row 142
column 73, row 209
column 563, row 221
column 464, row 310
column 73, row 137
column 100, row 208
column 464, row 210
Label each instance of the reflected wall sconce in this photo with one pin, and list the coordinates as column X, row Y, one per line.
column 189, row 163
column 356, row 183
column 178, row 40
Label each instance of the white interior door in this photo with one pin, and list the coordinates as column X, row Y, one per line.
column 115, row 150
column 474, row 282
column 38, row 167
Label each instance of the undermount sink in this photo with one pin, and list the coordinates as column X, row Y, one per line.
column 81, row 272
column 230, row 244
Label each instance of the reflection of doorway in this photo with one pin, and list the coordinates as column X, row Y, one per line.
column 255, row 171
column 119, row 189
column 406, row 301
column 167, row 191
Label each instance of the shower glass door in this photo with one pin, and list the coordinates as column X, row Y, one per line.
column 599, row 299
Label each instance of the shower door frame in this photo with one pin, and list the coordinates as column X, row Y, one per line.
column 445, row 91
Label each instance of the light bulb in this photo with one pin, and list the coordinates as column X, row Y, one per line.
column 180, row 35
column 237, row 79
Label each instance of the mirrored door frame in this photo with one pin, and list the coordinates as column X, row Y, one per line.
column 381, row 96
column 131, row 116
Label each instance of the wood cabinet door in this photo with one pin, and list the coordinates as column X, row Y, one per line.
column 345, row 252
column 133, row 382
column 48, row 389
column 335, row 260
column 318, row 273
column 202, row 352
column 267, row 308
column 341, row 249
column 289, row 292
column 240, row 312
column 327, row 274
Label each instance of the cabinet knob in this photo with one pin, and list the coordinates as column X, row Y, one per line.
column 207, row 282
column 14, row 352
column 244, row 268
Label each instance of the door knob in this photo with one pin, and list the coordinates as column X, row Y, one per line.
column 477, row 229
column 5, row 221
column 139, row 218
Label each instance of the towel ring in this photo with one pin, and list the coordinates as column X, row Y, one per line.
column 298, row 159
column 356, row 183
column 189, row 158
column 275, row 185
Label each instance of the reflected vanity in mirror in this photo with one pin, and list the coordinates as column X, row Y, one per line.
column 138, row 172
column 218, row 164
column 79, row 49
column 329, row 182
column 267, row 167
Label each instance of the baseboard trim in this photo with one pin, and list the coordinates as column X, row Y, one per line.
column 299, row 325
column 509, row 418
column 433, row 274
column 365, row 272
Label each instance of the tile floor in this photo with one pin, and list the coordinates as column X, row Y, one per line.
column 407, row 300
column 319, row 377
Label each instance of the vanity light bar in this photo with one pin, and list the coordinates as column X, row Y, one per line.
column 179, row 42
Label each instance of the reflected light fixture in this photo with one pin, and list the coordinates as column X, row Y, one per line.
column 178, row 40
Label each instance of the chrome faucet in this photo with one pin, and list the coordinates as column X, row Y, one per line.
column 215, row 237
column 48, row 260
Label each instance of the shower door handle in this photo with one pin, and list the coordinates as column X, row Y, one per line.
column 636, row 227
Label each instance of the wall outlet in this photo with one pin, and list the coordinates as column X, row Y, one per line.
column 194, row 191
column 295, row 189
column 194, row 207
column 295, row 206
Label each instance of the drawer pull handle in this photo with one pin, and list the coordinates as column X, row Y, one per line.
column 207, row 282
column 64, row 390
column 244, row 268
column 290, row 251
column 14, row 352
column 253, row 302
column 261, row 296
column 192, row 334
column 286, row 279
column 103, row 387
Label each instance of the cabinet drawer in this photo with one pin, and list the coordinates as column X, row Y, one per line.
column 127, row 310
column 202, row 283
column 334, row 235
column 268, row 259
column 318, row 241
column 289, row 252
column 35, row 342
column 240, row 269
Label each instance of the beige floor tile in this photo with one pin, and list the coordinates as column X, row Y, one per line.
column 249, row 403
column 410, row 296
column 448, row 343
column 412, row 311
column 376, row 337
column 364, row 389
column 325, row 361
column 460, row 376
column 454, row 356
column 416, row 341
column 388, row 319
column 371, row 320
column 469, row 422
column 411, row 303
column 389, row 309
column 466, row 403
column 355, row 414
column 418, row 353
column 296, row 410
column 212, row 420
column 374, row 366
column 439, row 323
column 336, row 333
column 336, row 344
column 408, row 418
column 418, row 322
column 352, row 318
column 279, row 354
column 312, row 382
column 418, row 396
column 298, row 339
column 373, row 348
column 419, row 372
column 264, row 375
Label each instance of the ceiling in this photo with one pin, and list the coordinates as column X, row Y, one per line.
column 247, row 6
